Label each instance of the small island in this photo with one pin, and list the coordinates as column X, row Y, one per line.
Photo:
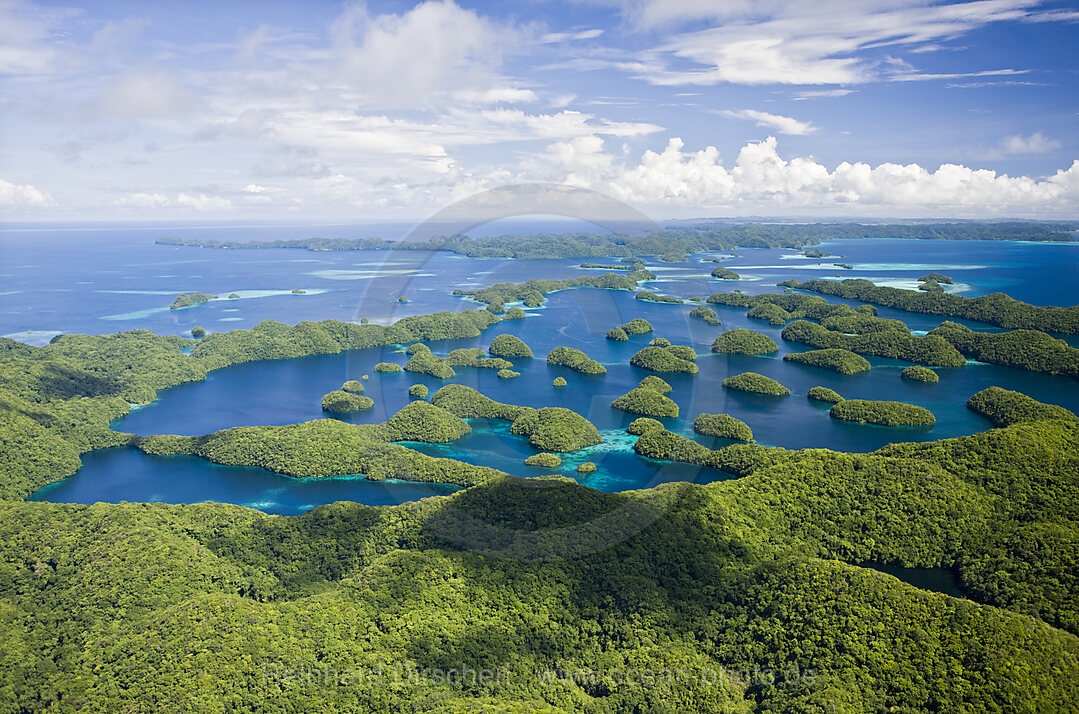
column 617, row 334
column 297, row 291
column 339, row 401
column 756, row 383
column 823, row 394
column 643, row 425
column 467, row 403
column 514, row 313
column 771, row 313
column 637, row 326
column 725, row 274
column 402, row 299
column 544, row 460
column 655, row 383
column 425, row 362
column 198, row 332
column 424, row 422
column 387, row 367
column 1004, row 407
column 507, row 374
column 575, row 360
column 586, row 468
column 646, row 402
column 835, row 359
column 882, row 413
column 653, row 297
column 556, row 429
column 723, row 426
column 931, row 286
column 937, row 278
column 353, row 385
column 917, row 373
column 233, row 296
column 418, row 390
column 664, row 359
column 509, row 346
column 672, row 257
column 705, row 313
column 559, row 382
column 741, row 341
column 190, row 300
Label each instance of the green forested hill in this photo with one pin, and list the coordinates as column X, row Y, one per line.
column 213, row 607
column 530, row 594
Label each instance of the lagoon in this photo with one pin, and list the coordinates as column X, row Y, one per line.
column 125, row 276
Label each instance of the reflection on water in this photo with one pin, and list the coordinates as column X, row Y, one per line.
column 938, row 580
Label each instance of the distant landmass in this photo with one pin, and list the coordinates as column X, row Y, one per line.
column 673, row 240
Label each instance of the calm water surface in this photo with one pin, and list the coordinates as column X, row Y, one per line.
column 100, row 282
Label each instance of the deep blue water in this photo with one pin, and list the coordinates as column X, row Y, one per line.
column 105, row 281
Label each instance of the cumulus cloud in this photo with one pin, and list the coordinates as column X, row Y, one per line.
column 404, row 59
column 782, row 124
column 13, row 195
column 1036, row 143
column 202, row 202
column 760, row 178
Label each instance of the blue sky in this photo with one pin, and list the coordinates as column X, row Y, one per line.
column 841, row 108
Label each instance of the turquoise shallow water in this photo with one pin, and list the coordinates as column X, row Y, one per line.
column 126, row 282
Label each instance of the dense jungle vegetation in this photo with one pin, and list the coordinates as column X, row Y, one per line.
column 996, row 309
column 525, row 594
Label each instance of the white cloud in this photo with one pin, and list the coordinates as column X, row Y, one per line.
column 822, row 42
column 821, row 93
column 782, row 124
column 202, row 202
column 400, row 60
column 496, row 95
column 1036, row 143
column 31, row 38
column 13, row 195
column 760, row 179
column 141, row 199
column 921, row 77
column 552, row 37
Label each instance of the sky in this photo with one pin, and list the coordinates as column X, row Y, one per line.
column 232, row 109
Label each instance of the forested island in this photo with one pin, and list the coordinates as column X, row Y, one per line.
column 190, row 300
column 672, row 242
column 996, row 309
column 741, row 341
column 837, row 360
column 883, row 413
column 756, row 383
column 531, row 292
column 755, row 569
